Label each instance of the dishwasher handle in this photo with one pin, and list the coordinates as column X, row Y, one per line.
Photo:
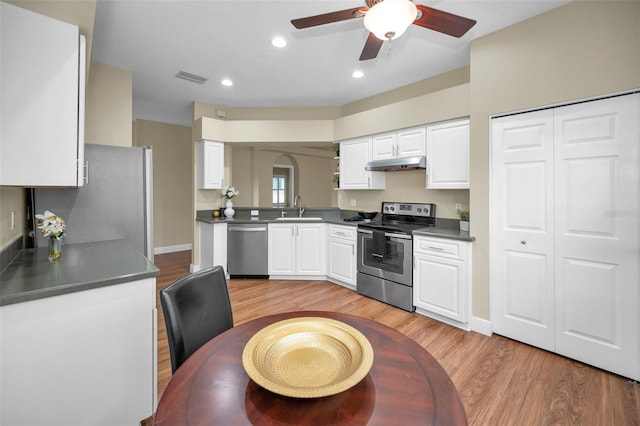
column 242, row 229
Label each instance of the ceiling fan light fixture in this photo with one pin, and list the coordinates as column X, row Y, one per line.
column 389, row 19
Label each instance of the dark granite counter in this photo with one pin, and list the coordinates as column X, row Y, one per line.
column 440, row 232
column 446, row 228
column 84, row 266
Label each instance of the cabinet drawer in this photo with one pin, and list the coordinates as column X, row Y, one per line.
column 438, row 247
column 337, row 231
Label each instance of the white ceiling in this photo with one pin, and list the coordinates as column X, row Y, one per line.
column 232, row 39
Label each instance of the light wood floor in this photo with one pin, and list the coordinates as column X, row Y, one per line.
column 500, row 381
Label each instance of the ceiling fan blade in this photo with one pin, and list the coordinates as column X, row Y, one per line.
column 443, row 22
column 327, row 18
column 371, row 47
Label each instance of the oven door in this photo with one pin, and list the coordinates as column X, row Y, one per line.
column 390, row 260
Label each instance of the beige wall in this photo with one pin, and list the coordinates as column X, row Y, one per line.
column 109, row 106
column 172, row 170
column 253, row 170
column 577, row 51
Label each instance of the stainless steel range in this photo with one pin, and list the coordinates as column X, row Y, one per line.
column 385, row 252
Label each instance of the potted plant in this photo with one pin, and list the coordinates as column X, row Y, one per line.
column 336, row 149
column 464, row 220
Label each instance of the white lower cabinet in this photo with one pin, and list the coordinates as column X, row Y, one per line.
column 213, row 244
column 442, row 279
column 297, row 249
column 81, row 358
column 341, row 255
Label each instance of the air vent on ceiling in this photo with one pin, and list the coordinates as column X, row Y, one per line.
column 191, row 77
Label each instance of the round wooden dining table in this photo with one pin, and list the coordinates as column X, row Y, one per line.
column 405, row 386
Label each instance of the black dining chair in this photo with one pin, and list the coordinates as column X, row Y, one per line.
column 196, row 308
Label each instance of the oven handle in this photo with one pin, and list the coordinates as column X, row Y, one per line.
column 387, row 234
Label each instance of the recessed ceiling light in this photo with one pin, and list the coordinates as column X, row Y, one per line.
column 279, row 42
column 357, row 74
column 226, row 82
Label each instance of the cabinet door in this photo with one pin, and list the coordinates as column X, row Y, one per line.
column 354, row 156
column 342, row 260
column 440, row 286
column 281, row 256
column 412, row 142
column 448, row 155
column 522, row 231
column 42, row 100
column 61, row 358
column 310, row 250
column 384, row 146
column 210, row 165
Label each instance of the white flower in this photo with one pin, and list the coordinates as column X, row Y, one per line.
column 229, row 192
column 51, row 225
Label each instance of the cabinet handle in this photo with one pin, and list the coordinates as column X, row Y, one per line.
column 436, row 248
column 523, row 242
column 86, row 173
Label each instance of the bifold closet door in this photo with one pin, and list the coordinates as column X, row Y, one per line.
column 597, row 227
column 565, row 231
column 522, row 232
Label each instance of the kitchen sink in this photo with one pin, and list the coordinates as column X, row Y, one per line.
column 294, row 219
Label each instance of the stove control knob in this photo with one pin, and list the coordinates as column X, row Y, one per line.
column 419, row 210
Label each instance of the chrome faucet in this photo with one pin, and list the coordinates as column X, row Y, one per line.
column 297, row 202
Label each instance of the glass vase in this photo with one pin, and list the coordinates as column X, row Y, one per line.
column 55, row 248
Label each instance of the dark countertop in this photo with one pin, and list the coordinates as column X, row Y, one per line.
column 447, row 228
column 82, row 267
column 440, row 232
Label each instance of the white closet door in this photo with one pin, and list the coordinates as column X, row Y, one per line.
column 522, row 231
column 597, row 163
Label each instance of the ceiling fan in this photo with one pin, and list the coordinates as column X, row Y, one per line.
column 388, row 19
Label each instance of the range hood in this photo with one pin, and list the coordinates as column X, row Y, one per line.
column 395, row 164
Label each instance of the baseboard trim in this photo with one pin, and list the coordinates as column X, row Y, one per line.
column 172, row 249
column 481, row 325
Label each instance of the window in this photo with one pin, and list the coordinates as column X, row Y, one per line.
column 279, row 190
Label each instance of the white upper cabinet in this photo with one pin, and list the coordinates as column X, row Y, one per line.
column 354, row 156
column 409, row 142
column 210, row 164
column 384, row 146
column 42, row 112
column 448, row 155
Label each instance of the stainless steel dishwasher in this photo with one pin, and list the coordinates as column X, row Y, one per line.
column 247, row 250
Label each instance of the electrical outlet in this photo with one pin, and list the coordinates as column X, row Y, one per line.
column 458, row 207
column 218, row 203
column 13, row 220
column 352, row 202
